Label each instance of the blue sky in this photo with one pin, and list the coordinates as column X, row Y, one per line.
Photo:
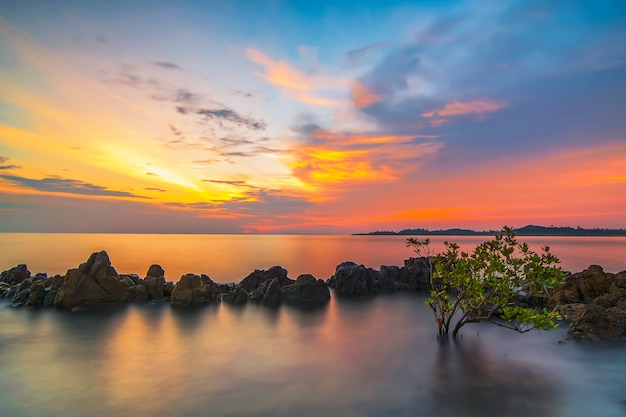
column 325, row 116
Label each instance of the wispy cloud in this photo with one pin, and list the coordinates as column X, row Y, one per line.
column 167, row 65
column 231, row 116
column 308, row 88
column 3, row 160
column 64, row 185
column 457, row 108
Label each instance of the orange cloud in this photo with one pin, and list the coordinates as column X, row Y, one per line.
column 296, row 83
column 457, row 108
column 362, row 97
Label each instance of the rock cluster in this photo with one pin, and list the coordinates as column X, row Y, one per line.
column 97, row 282
column 353, row 279
column 594, row 302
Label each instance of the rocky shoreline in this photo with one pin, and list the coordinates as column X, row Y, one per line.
column 592, row 302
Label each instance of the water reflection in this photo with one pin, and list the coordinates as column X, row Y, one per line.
column 467, row 381
column 376, row 357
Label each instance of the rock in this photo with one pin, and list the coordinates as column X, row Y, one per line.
column 155, row 271
column 253, row 281
column 15, row 275
column 236, row 295
column 306, row 292
column 273, row 294
column 189, row 291
column 93, row 282
column 594, row 302
column 593, row 322
column 20, row 298
column 131, row 279
column 168, row 288
column 55, row 282
column 417, row 277
column 138, row 294
column 4, row 287
column 582, row 287
column 154, row 287
column 353, row 279
column 37, row 294
column 49, row 297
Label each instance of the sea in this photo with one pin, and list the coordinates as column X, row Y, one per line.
column 375, row 356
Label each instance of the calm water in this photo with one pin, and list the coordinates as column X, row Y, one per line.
column 375, row 357
column 229, row 258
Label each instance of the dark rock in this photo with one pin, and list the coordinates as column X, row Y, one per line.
column 39, row 276
column 4, row 287
column 15, row 275
column 593, row 322
column 353, row 279
column 20, row 298
column 417, row 277
column 27, row 283
column 154, row 287
column 253, row 281
column 49, row 297
column 37, row 294
column 155, row 271
column 272, row 295
column 168, row 288
column 55, row 282
column 94, row 282
column 138, row 294
column 131, row 279
column 306, row 291
column 582, row 287
column 189, row 291
column 236, row 295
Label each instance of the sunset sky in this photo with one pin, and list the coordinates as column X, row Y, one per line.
column 311, row 116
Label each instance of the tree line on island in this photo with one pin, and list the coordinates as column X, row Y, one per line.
column 529, row 230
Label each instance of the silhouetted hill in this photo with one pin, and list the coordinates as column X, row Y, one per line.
column 530, row 230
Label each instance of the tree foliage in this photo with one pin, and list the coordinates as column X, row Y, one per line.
column 488, row 284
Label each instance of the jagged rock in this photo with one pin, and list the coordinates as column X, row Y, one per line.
column 189, row 291
column 236, row 295
column 583, row 287
column 15, row 275
column 594, row 302
column 93, row 282
column 353, row 279
column 253, row 281
column 155, row 271
column 306, row 291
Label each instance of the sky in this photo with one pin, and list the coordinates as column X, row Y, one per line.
column 274, row 116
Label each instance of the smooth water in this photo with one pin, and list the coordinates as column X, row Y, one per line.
column 368, row 357
column 230, row 258
column 376, row 357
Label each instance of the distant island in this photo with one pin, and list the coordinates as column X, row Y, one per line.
column 530, row 230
